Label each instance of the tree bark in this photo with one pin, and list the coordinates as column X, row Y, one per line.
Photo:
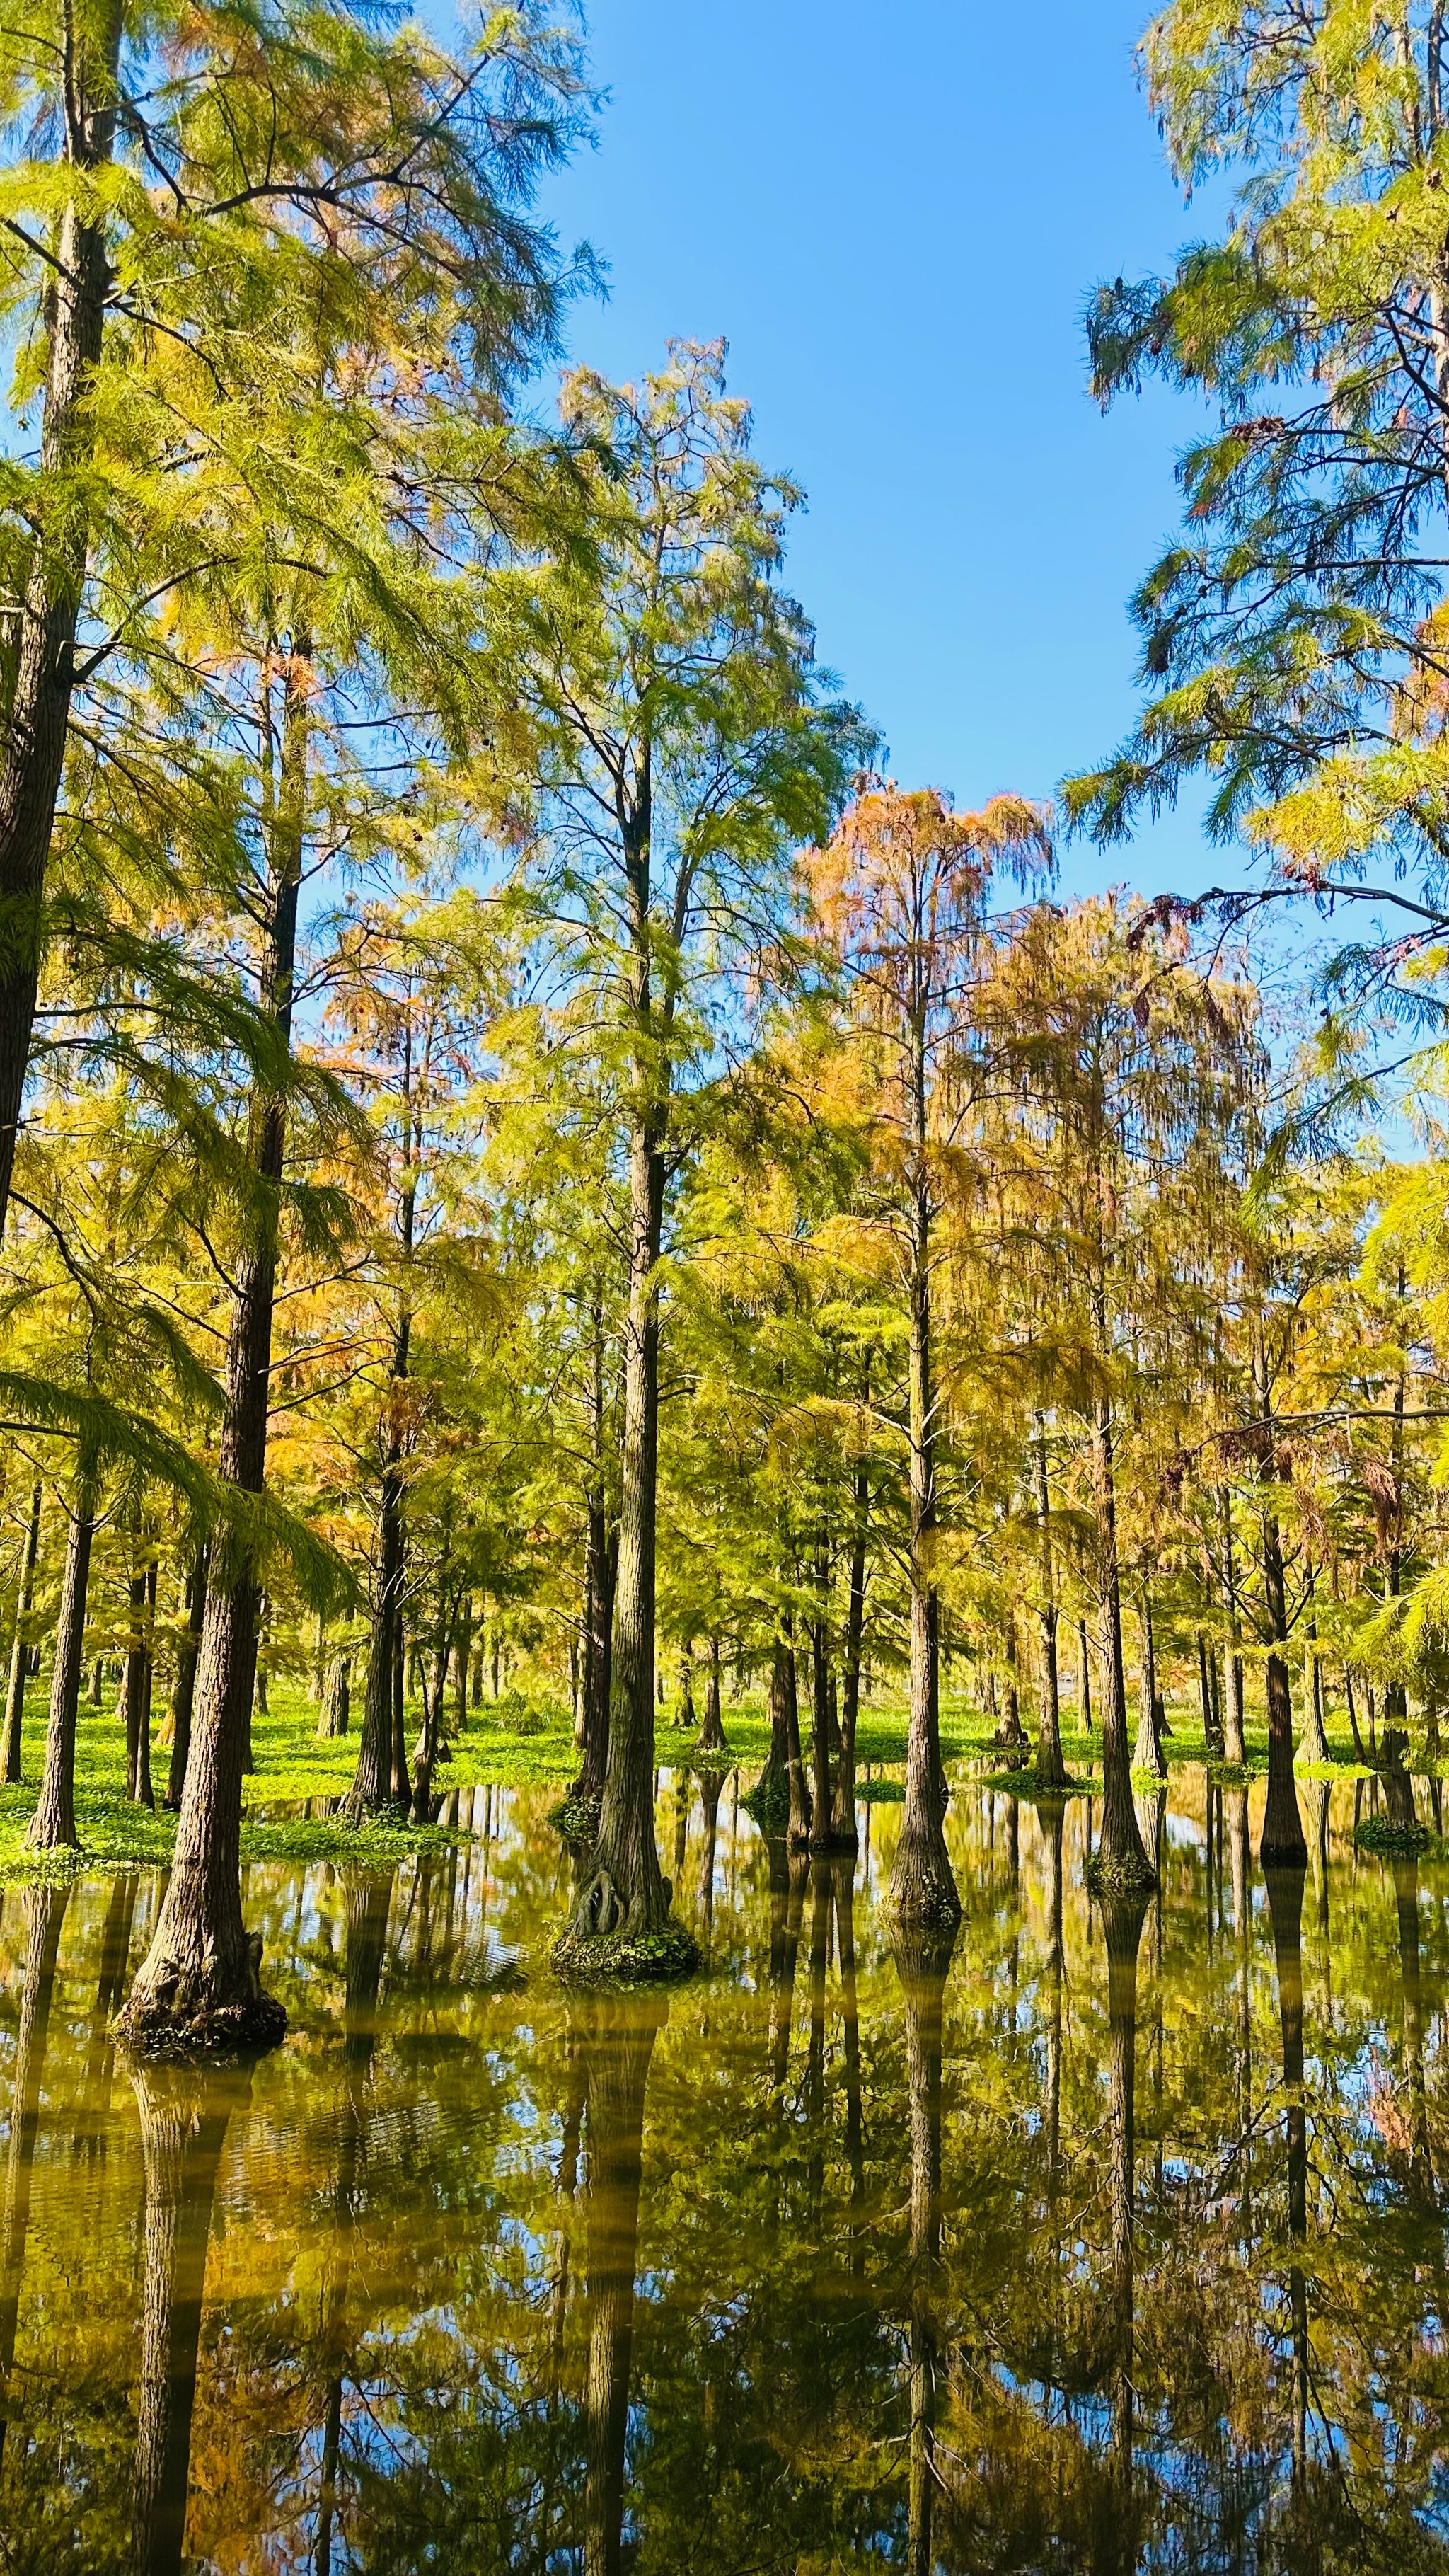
column 10, row 1768
column 45, row 624
column 337, row 1697
column 1084, row 1679
column 200, row 1982
column 183, row 1697
column 53, row 1823
column 1051, row 1770
column 844, row 1832
column 922, row 1889
column 136, row 1687
column 623, row 1891
column 1120, row 1848
column 1149, row 1755
column 712, row 1734
column 1234, row 1748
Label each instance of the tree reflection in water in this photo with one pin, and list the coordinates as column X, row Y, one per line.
column 184, row 2116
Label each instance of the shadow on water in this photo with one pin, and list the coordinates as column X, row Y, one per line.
column 1100, row 2234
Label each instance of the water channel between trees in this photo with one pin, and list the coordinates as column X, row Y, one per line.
column 1096, row 2238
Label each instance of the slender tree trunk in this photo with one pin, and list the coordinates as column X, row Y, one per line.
column 53, row 1823
column 20, row 1650
column 843, row 1825
column 1149, row 1754
column 44, row 626
column 200, row 1982
column 800, row 1819
column 922, row 1889
column 770, row 1795
column 1120, row 1849
column 137, row 1684
column 183, row 1697
column 1234, row 1748
column 1051, row 1770
column 712, row 1734
column 623, row 1891
column 1084, row 1680
column 1282, row 1845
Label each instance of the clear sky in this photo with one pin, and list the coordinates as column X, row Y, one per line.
column 895, row 216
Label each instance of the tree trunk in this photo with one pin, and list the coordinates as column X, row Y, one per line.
column 623, row 1892
column 136, row 1688
column 1051, row 1770
column 200, row 1982
column 1149, row 1755
column 843, row 1825
column 1120, row 1851
column 922, row 1889
column 337, row 1697
column 10, row 1769
column 1282, row 1845
column 604, row 1553
column 1084, row 1678
column 43, row 629
column 53, row 1823
column 770, row 1795
column 712, row 1734
column 1313, row 1746
column 798, row 1827
column 1234, row 1748
column 183, row 1697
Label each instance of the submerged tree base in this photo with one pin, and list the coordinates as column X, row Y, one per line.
column 174, row 2013
column 1108, row 1874
column 625, row 1957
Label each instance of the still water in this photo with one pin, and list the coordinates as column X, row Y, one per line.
column 1092, row 2243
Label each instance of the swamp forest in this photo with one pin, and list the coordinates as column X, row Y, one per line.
column 724, row 1590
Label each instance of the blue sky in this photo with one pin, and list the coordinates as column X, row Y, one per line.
column 895, row 218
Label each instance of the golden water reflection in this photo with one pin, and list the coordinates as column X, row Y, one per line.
column 1090, row 2238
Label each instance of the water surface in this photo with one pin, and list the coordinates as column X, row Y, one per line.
column 1086, row 2242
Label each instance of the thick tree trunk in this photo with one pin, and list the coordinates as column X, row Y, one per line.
column 10, row 1769
column 183, row 1697
column 53, row 1823
column 184, row 2119
column 336, row 1698
column 922, row 1889
column 200, row 1982
column 44, row 627
column 1120, row 1851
